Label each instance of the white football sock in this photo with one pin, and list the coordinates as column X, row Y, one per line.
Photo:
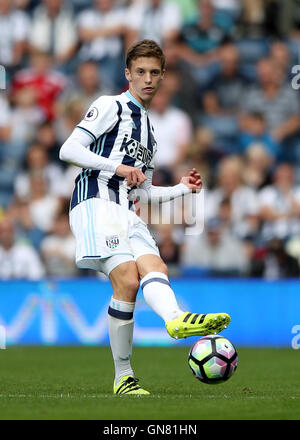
column 120, row 326
column 159, row 296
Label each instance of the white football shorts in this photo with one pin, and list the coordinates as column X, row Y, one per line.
column 107, row 234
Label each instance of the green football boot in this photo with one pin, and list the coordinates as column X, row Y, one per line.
column 195, row 324
column 129, row 385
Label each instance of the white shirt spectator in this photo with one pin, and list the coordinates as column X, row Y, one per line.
column 53, row 175
column 172, row 129
column 20, row 262
column 154, row 23
column 271, row 197
column 14, row 28
column 43, row 212
column 198, row 252
column 24, row 123
column 101, row 47
column 57, row 36
column 59, row 255
column 244, row 202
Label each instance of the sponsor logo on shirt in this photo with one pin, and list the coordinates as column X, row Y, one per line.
column 136, row 150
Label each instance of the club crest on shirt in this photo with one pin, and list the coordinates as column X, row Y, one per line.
column 91, row 114
column 112, row 241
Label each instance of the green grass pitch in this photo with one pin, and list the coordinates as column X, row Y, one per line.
column 76, row 383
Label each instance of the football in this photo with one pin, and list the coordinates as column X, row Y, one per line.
column 213, row 359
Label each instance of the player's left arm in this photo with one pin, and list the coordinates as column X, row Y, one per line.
column 158, row 194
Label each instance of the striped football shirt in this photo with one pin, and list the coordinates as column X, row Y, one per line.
column 120, row 130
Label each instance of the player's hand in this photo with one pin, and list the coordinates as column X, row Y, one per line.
column 193, row 181
column 134, row 176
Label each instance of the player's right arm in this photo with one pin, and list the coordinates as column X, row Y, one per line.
column 75, row 151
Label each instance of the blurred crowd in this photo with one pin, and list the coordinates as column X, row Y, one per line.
column 229, row 106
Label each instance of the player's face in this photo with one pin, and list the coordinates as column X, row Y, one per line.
column 144, row 77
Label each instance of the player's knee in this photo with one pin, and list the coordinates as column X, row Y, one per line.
column 160, row 267
column 155, row 266
column 132, row 285
column 164, row 269
column 126, row 289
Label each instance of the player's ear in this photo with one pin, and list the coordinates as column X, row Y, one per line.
column 127, row 74
column 163, row 74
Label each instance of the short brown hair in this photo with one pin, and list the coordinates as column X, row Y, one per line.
column 145, row 48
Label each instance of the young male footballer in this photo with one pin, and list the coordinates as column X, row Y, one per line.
column 115, row 147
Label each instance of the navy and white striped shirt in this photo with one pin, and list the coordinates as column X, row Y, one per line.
column 120, row 130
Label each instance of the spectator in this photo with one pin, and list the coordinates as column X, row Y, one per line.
column 34, row 215
column 180, row 78
column 294, row 35
column 68, row 116
column 187, row 8
column 101, row 31
column 86, row 87
column 277, row 102
column 243, row 199
column 254, row 131
column 280, row 205
column 209, row 251
column 53, row 31
column 231, row 80
column 169, row 247
column 14, row 29
column 202, row 153
column 17, row 260
column 223, row 124
column 259, row 149
column 273, row 262
column 204, row 34
column 25, row 5
column 26, row 229
column 45, row 83
column 157, row 20
column 281, row 56
column 37, row 164
column 176, row 141
column 225, row 215
column 26, row 116
column 47, row 137
column 42, row 205
column 11, row 153
column 257, row 166
column 253, row 14
column 58, row 249
column 230, row 7
column 79, row 5
column 292, row 247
